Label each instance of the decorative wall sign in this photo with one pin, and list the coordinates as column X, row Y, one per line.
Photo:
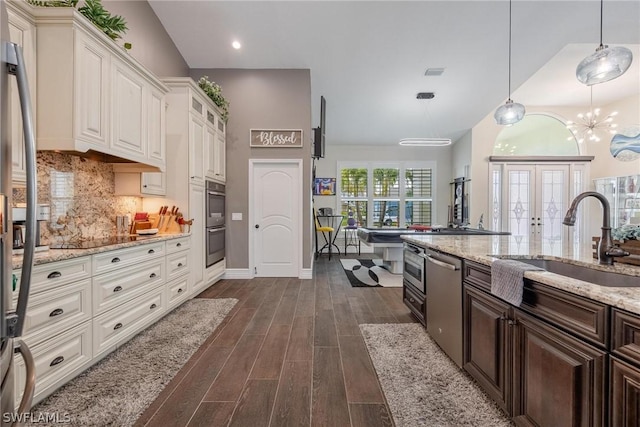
column 324, row 187
column 276, row 138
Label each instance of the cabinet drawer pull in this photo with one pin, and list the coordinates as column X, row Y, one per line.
column 152, row 306
column 116, row 259
column 512, row 322
column 54, row 275
column 179, row 264
column 179, row 290
column 178, row 244
column 151, row 251
column 56, row 312
column 117, row 326
column 152, row 275
column 58, row 360
column 117, row 289
column 411, row 300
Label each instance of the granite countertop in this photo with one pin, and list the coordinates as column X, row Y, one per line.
column 485, row 249
column 53, row 255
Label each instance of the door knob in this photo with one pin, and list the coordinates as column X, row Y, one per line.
column 257, row 226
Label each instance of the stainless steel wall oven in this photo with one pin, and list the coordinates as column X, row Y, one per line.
column 215, row 222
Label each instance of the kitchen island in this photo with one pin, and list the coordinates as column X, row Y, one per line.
column 568, row 354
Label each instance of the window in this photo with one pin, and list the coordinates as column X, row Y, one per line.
column 395, row 195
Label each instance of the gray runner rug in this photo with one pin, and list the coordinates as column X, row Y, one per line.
column 117, row 390
column 422, row 385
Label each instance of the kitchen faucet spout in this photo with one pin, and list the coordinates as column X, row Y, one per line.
column 606, row 250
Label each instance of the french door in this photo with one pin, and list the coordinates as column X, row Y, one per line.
column 530, row 201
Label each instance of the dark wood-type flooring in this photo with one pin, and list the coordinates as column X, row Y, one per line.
column 290, row 353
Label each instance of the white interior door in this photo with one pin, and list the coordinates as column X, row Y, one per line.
column 535, row 200
column 276, row 211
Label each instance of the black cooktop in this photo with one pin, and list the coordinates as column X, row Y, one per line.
column 96, row 243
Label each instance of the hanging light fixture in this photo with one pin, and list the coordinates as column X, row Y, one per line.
column 511, row 112
column 606, row 63
column 426, row 141
column 590, row 124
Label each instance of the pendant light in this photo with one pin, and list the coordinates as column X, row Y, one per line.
column 511, row 112
column 606, row 63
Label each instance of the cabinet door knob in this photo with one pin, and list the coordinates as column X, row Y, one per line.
column 257, row 225
column 179, row 290
column 58, row 360
column 54, row 275
column 56, row 312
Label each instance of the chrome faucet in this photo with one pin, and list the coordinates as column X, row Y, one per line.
column 481, row 222
column 606, row 250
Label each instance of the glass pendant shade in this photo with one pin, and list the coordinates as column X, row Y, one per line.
column 606, row 63
column 509, row 113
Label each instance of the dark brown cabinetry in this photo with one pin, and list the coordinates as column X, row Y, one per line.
column 558, row 379
column 625, row 394
column 541, row 373
column 486, row 349
column 415, row 301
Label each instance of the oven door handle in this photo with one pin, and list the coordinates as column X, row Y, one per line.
column 215, row 230
column 441, row 263
column 214, row 193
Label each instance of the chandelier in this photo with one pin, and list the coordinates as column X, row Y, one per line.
column 590, row 124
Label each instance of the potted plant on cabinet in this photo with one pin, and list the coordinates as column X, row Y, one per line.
column 214, row 91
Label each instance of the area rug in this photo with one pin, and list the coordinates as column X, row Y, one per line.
column 117, row 390
column 369, row 272
column 422, row 385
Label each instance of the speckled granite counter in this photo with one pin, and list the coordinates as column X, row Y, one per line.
column 485, row 249
column 60, row 254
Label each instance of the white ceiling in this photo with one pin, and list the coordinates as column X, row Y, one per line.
column 368, row 58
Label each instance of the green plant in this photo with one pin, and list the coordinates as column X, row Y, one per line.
column 626, row 232
column 112, row 25
column 214, row 91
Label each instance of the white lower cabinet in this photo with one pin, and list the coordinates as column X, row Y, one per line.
column 83, row 308
column 57, row 360
column 117, row 325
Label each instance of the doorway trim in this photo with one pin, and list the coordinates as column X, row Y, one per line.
column 250, row 213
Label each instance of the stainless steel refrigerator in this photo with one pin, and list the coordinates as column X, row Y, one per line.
column 12, row 321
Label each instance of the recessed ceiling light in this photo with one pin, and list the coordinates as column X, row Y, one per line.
column 432, row 72
column 425, row 142
column 236, row 44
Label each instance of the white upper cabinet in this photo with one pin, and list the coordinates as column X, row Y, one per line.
column 214, row 147
column 22, row 31
column 196, row 149
column 210, row 151
column 95, row 95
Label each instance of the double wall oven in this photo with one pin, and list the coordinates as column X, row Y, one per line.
column 215, row 222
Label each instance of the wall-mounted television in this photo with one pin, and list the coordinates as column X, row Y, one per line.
column 319, row 132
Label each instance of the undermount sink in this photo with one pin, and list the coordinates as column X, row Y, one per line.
column 580, row 272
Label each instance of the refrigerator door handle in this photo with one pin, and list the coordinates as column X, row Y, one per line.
column 30, row 383
column 17, row 67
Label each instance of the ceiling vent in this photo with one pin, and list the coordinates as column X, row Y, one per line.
column 434, row 72
column 425, row 95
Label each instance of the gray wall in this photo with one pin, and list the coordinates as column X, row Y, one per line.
column 262, row 99
column 152, row 46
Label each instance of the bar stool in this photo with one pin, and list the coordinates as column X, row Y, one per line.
column 351, row 235
column 323, row 230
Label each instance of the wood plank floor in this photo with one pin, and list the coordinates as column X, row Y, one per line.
column 290, row 353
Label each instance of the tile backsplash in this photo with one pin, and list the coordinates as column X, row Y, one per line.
column 80, row 194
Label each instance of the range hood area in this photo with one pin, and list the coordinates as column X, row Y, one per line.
column 119, row 164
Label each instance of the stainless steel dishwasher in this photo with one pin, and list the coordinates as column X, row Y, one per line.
column 444, row 302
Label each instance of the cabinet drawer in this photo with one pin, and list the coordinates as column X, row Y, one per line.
column 626, row 335
column 51, row 312
column 586, row 318
column 112, row 260
column 55, row 274
column 177, row 264
column 57, row 360
column 117, row 287
column 115, row 326
column 178, row 291
column 415, row 302
column 478, row 275
column 177, row 245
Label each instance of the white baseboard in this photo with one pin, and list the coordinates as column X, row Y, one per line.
column 237, row 273
column 306, row 273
